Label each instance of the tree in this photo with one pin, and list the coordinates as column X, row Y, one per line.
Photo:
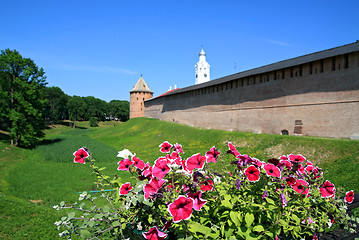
column 95, row 108
column 77, row 108
column 120, row 109
column 56, row 104
column 22, row 101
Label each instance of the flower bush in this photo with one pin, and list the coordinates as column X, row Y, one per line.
column 218, row 195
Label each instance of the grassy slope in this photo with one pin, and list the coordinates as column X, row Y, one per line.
column 338, row 157
column 47, row 174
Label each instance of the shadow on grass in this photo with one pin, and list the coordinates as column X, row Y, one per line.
column 4, row 138
column 69, row 124
column 49, row 141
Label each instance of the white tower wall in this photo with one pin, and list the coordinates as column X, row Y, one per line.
column 202, row 69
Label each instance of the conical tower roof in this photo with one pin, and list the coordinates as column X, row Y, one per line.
column 141, row 86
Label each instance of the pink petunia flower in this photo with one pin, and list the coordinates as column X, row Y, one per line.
column 327, row 189
column 153, row 186
column 125, row 188
column 138, row 163
column 207, row 185
column 349, row 196
column 181, row 208
column 212, row 155
column 309, row 169
column 196, row 161
column 124, row 164
column 296, row 158
column 165, row 147
column 272, row 170
column 233, row 150
column 252, row 173
column 160, row 169
column 154, row 234
column 301, row 186
column 283, row 157
column 80, row 155
column 178, row 148
column 198, row 202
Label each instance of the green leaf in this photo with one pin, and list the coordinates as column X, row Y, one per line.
column 116, row 224
column 235, row 217
column 295, row 218
column 258, row 228
column 85, row 234
column 197, row 227
column 249, row 218
column 71, row 215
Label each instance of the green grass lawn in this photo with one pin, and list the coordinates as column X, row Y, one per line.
column 32, row 180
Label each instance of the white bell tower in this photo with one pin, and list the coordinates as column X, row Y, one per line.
column 202, row 69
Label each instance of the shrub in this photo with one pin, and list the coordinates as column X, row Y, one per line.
column 185, row 199
column 93, row 122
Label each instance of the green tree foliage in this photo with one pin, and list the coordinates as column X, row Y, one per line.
column 95, row 108
column 77, row 108
column 119, row 109
column 56, row 104
column 21, row 84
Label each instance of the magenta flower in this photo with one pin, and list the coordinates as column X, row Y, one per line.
column 181, row 208
column 252, row 173
column 198, row 202
column 153, row 186
column 349, row 196
column 327, row 189
column 272, row 170
column 154, row 234
column 207, row 185
column 296, row 158
column 160, row 169
column 290, row 181
column 196, row 161
column 212, row 155
column 178, row 148
column 138, row 163
column 285, row 163
column 125, row 188
column 233, row 150
column 309, row 169
column 283, row 157
column 80, row 155
column 165, row 147
column 301, row 186
column 124, row 164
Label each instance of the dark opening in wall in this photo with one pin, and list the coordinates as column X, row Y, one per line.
column 333, row 63
column 300, row 70
column 284, row 132
column 321, row 66
column 310, row 68
column 283, row 73
column 346, row 61
column 275, row 75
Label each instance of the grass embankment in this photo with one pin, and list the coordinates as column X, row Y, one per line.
column 31, row 181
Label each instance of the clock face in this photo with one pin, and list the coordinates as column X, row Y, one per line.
column 205, row 75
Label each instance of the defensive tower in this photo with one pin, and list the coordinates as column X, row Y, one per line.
column 138, row 95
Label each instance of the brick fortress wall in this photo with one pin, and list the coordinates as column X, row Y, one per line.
column 315, row 98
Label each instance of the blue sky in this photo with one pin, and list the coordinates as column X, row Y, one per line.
column 100, row 48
